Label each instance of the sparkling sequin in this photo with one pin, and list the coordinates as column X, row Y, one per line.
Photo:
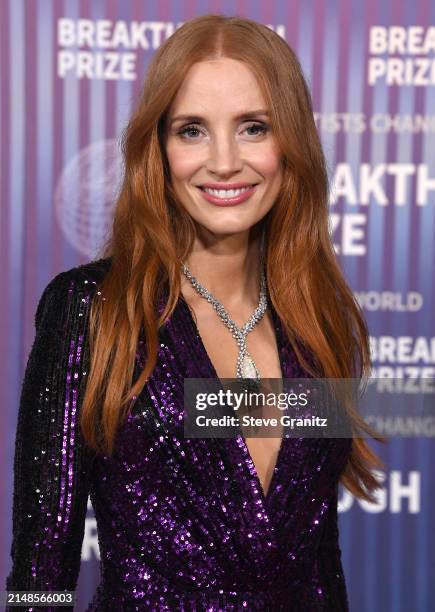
column 183, row 524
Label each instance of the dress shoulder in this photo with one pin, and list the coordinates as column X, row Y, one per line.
column 84, row 278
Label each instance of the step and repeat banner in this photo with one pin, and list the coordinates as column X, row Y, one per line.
column 70, row 73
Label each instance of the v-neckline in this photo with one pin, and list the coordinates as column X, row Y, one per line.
column 239, row 440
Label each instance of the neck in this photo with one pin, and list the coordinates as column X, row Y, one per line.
column 228, row 266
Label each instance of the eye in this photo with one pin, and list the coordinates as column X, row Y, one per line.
column 188, row 129
column 191, row 131
column 258, row 126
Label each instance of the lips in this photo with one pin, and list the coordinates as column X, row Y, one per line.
column 230, row 201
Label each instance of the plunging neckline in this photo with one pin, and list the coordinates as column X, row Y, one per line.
column 203, row 354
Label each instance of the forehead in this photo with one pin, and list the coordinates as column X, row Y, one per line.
column 222, row 85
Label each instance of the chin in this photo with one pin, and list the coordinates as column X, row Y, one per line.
column 226, row 226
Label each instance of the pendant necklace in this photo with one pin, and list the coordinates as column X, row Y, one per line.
column 246, row 367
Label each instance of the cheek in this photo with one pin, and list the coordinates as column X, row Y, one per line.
column 271, row 171
column 267, row 162
column 272, row 168
column 181, row 165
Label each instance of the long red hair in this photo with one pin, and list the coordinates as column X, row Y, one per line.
column 153, row 233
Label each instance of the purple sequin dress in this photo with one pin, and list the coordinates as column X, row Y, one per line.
column 183, row 524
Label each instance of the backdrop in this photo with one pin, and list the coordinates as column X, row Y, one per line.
column 71, row 71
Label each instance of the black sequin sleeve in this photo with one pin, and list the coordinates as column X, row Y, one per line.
column 52, row 466
column 332, row 585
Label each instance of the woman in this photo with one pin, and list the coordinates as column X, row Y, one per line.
column 224, row 171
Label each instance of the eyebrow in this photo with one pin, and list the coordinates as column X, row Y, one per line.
column 197, row 118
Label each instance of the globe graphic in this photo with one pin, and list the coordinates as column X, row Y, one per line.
column 86, row 194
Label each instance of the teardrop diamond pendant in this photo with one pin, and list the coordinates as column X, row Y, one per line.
column 249, row 369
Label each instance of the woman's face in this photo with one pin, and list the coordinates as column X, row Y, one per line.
column 218, row 134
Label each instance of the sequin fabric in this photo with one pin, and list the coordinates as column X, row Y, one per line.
column 183, row 524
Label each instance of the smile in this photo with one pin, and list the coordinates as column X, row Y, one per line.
column 227, row 197
column 225, row 193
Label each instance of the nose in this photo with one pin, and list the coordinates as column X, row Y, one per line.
column 224, row 158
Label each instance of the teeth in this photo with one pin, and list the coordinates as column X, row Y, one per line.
column 225, row 193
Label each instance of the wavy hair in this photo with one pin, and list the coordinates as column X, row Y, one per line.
column 153, row 233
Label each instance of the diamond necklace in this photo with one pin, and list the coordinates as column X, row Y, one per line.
column 246, row 367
